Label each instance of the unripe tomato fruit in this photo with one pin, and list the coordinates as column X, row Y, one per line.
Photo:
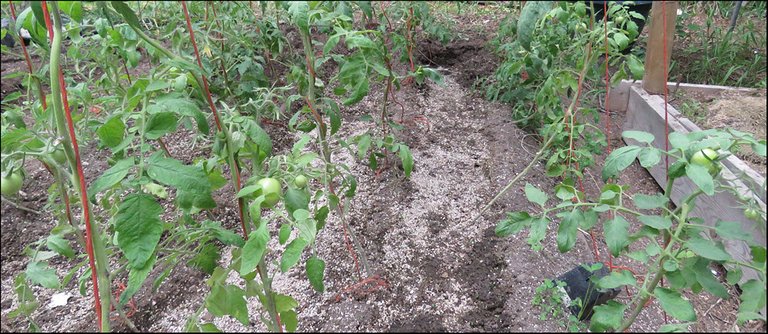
column 11, row 184
column 705, row 158
column 59, row 156
column 270, row 187
column 300, row 181
column 751, row 214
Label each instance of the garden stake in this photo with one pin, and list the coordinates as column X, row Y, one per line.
column 232, row 161
column 94, row 246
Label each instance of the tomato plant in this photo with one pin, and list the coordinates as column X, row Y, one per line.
column 677, row 250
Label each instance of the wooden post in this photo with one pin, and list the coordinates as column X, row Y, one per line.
column 654, row 77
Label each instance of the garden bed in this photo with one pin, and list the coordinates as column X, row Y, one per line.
column 440, row 270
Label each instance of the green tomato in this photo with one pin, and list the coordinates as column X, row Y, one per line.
column 270, row 187
column 59, row 156
column 620, row 19
column 752, row 214
column 705, row 158
column 300, row 181
column 11, row 184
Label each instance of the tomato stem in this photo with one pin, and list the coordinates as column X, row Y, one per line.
column 94, row 246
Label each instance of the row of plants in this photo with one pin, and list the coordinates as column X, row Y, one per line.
column 198, row 59
column 551, row 54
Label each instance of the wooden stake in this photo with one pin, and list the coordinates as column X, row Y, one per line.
column 653, row 80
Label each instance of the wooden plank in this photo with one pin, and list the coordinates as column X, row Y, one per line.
column 656, row 62
column 646, row 113
column 619, row 96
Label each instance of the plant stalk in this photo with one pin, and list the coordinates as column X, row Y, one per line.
column 326, row 151
column 94, row 245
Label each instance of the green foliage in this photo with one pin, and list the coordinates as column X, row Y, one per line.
column 709, row 52
column 683, row 256
column 544, row 53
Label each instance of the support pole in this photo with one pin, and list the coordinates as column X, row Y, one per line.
column 655, row 61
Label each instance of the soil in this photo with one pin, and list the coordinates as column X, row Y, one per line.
column 440, row 270
column 739, row 110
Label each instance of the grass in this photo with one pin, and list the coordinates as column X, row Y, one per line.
column 706, row 53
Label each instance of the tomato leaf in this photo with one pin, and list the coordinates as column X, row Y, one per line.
column 619, row 160
column 535, row 195
column 657, row 222
column 192, row 183
column 227, row 237
column 159, row 124
column 643, row 201
column 136, row 277
column 752, row 297
column 733, row 231
column 207, row 259
column 407, row 159
column 641, row 136
column 139, row 228
column 566, row 232
column 679, row 140
column 60, row 245
column 254, row 249
column 616, row 234
column 292, row 254
column 707, row 280
column 538, row 232
column 315, row 271
column 290, row 320
column 672, row 302
column 617, row 279
column 110, row 177
column 284, row 303
column 284, row 234
column 228, row 300
column 707, row 248
column 607, row 316
column 649, row 157
column 700, row 176
column 296, row 199
column 515, row 222
column 636, row 67
column 112, row 132
column 259, row 136
column 128, row 14
column 182, row 106
column 39, row 273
